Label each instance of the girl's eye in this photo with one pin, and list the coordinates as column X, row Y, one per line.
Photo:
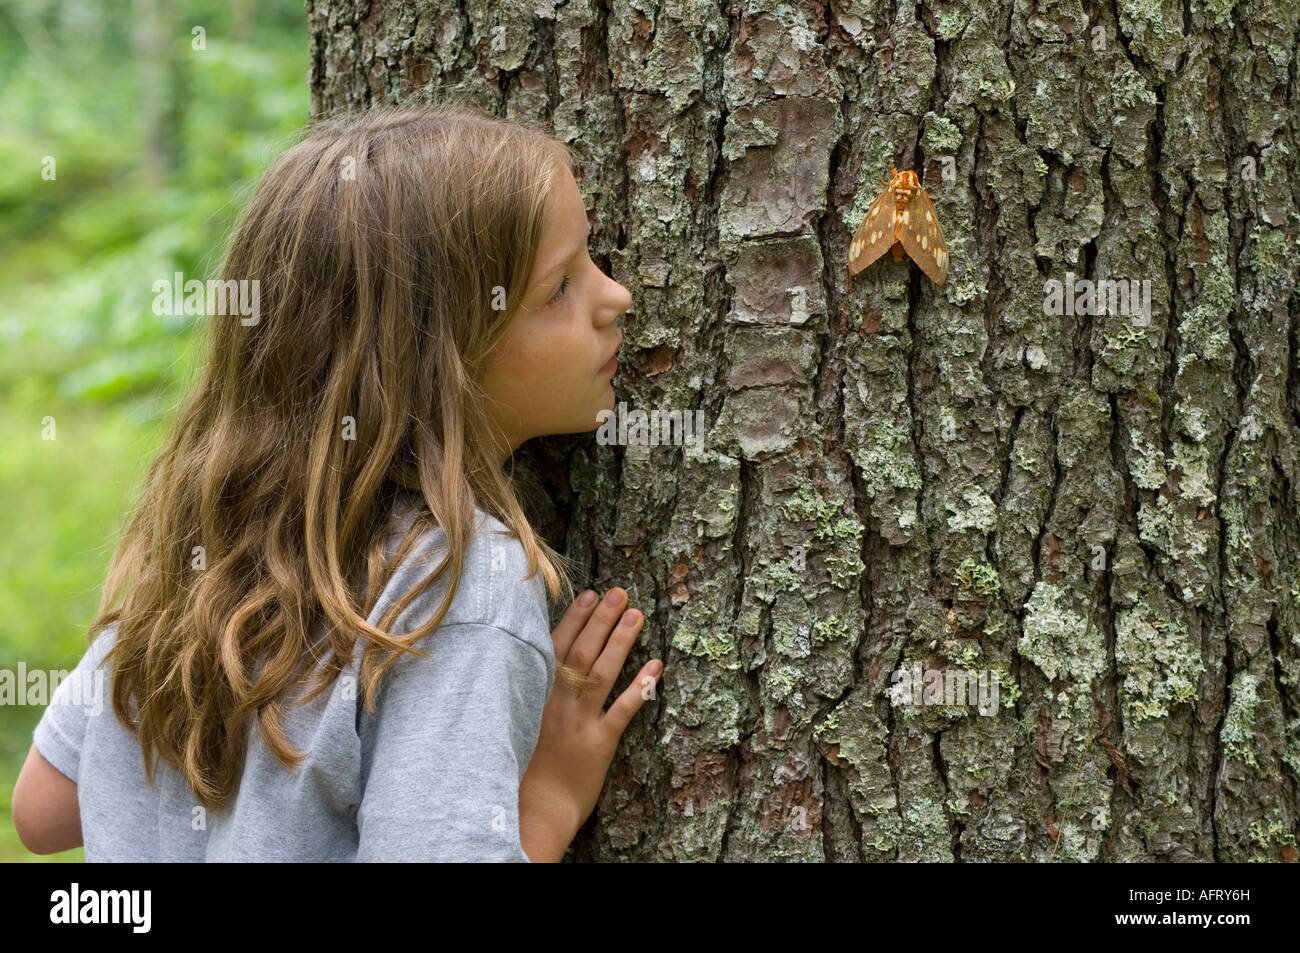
column 559, row 292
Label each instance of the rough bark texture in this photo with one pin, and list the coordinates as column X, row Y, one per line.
column 1107, row 513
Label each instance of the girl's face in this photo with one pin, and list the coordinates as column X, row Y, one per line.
column 550, row 373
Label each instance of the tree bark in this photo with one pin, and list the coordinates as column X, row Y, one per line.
column 1103, row 510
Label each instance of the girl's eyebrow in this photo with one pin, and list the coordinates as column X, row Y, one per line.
column 563, row 261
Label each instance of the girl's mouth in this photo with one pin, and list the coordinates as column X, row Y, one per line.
column 612, row 364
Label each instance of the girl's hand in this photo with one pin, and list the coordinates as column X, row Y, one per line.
column 578, row 739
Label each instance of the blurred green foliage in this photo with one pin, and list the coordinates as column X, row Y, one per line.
column 79, row 341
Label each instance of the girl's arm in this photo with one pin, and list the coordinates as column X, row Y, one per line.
column 547, row 825
column 44, row 807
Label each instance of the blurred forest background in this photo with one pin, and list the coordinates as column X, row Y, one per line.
column 158, row 133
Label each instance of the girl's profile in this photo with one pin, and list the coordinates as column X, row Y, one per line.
column 325, row 628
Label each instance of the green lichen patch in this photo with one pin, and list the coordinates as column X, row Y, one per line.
column 833, row 629
column 843, row 559
column 770, row 576
column 884, row 455
column 1195, row 481
column 978, row 576
column 978, row 511
column 1268, row 835
column 1008, row 688
column 1158, row 661
column 1238, row 732
column 1057, row 639
column 1147, row 462
column 706, row 640
column 1217, row 12
column 1271, row 259
column 941, row 136
column 926, row 827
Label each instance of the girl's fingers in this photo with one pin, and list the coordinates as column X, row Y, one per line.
column 625, row 707
column 575, row 617
column 610, row 663
column 586, row 648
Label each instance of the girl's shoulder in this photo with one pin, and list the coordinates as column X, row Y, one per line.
column 495, row 587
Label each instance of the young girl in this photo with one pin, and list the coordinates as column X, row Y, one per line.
column 334, row 643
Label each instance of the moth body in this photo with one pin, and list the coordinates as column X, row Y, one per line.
column 902, row 220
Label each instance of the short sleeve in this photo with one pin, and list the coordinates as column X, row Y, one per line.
column 450, row 739
column 80, row 696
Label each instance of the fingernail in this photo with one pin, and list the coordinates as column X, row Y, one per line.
column 631, row 617
column 613, row 597
column 587, row 599
column 656, row 668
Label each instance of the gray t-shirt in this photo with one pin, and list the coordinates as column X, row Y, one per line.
column 432, row 775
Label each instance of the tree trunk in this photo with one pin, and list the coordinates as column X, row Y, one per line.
column 1101, row 508
column 160, row 44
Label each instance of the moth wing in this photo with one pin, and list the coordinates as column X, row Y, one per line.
column 922, row 237
column 875, row 234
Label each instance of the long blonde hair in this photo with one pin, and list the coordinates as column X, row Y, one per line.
column 381, row 243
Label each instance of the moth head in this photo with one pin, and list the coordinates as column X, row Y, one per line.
column 906, row 179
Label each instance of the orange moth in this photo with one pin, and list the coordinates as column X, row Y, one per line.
column 901, row 219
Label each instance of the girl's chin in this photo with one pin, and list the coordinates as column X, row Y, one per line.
column 604, row 408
